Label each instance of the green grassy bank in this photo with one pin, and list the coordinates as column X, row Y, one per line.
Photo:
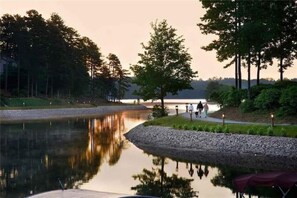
column 179, row 122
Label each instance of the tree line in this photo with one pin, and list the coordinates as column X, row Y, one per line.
column 252, row 33
column 47, row 58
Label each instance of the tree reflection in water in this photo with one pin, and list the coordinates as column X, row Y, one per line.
column 34, row 156
column 157, row 183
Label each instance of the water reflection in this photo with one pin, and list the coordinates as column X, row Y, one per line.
column 92, row 153
column 157, row 182
column 35, row 156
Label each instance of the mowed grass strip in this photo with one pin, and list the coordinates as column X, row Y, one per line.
column 179, row 122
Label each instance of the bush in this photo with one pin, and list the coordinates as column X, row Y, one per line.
column 251, row 131
column 247, row 106
column 218, row 129
column 256, row 90
column 260, row 131
column 158, row 111
column 233, row 97
column 270, row 131
column 288, row 101
column 268, row 99
column 225, row 129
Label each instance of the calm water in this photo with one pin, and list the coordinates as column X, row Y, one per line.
column 92, row 153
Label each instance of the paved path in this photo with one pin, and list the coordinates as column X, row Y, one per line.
column 210, row 119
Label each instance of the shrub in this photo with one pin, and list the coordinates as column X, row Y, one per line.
column 200, row 128
column 251, row 131
column 247, row 106
column 283, row 132
column 218, row 129
column 270, row 131
column 288, row 101
column 233, row 97
column 268, row 99
column 158, row 111
column 206, row 128
column 186, row 127
column 225, row 129
column 256, row 90
column 260, row 131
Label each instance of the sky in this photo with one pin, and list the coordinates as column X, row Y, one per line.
column 120, row 26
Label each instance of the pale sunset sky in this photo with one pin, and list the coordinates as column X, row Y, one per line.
column 120, row 26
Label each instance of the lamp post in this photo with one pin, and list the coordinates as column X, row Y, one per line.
column 272, row 119
column 223, row 119
column 176, row 109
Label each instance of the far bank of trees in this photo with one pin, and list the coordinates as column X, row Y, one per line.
column 252, row 33
column 47, row 58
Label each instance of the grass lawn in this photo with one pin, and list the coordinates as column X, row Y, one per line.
column 179, row 122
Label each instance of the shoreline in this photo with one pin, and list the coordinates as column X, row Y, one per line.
column 236, row 150
column 7, row 116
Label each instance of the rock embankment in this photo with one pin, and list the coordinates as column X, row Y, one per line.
column 39, row 114
column 232, row 149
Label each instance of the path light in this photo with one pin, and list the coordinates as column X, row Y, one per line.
column 176, row 109
column 272, row 119
column 223, row 119
column 24, row 104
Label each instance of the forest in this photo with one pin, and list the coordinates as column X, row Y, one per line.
column 46, row 58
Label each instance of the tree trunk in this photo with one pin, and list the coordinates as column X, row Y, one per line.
column 239, row 72
column 28, row 85
column 52, row 87
column 36, row 85
column 258, row 67
column 19, row 77
column 281, row 68
column 6, row 77
column 32, row 87
column 249, row 75
column 46, row 86
column 236, row 73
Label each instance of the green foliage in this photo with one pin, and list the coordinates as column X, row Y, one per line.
column 288, row 100
column 283, row 132
column 158, row 111
column 226, row 129
column 48, row 58
column 270, row 131
column 164, row 66
column 268, row 99
column 253, row 129
column 247, row 106
column 233, row 97
column 186, row 127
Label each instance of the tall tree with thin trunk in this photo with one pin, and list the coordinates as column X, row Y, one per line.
column 164, row 66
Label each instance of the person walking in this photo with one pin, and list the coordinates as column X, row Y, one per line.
column 205, row 107
column 191, row 108
column 199, row 108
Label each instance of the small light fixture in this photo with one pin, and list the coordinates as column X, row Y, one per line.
column 223, row 119
column 272, row 119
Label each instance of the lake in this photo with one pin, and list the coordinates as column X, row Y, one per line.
column 92, row 153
